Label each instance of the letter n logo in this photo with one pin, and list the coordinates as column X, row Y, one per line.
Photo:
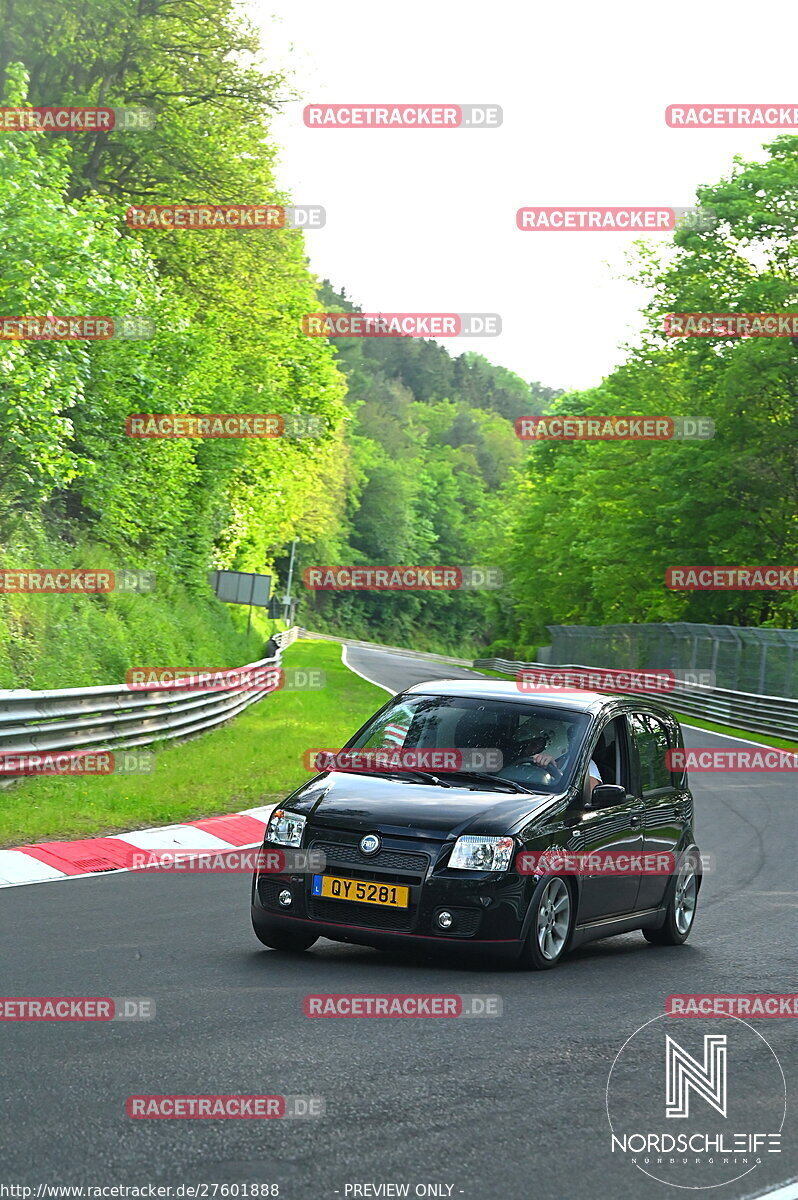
column 707, row 1079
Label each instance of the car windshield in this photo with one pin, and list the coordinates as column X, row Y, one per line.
column 455, row 737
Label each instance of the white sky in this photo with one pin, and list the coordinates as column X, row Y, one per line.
column 424, row 220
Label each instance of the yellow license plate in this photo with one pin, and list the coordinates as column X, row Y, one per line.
column 333, row 887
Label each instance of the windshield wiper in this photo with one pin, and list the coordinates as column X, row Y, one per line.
column 421, row 776
column 494, row 780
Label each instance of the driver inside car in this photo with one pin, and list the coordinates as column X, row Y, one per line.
column 546, row 760
column 559, row 760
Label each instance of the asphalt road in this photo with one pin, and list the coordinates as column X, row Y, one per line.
column 507, row 1107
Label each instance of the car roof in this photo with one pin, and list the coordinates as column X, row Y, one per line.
column 506, row 689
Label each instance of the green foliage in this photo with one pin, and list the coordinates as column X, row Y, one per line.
column 227, row 308
column 418, row 463
column 595, row 525
column 58, row 641
column 431, row 442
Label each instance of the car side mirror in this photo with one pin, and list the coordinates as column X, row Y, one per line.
column 607, row 795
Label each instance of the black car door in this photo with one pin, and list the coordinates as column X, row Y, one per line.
column 617, row 830
column 663, row 802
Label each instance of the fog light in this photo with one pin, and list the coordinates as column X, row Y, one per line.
column 285, row 898
column 445, row 919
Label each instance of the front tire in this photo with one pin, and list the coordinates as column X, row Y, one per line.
column 552, row 913
column 680, row 913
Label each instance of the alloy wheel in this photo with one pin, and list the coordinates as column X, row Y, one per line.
column 554, row 917
column 685, row 898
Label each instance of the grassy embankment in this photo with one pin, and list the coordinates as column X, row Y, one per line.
column 255, row 759
column 71, row 640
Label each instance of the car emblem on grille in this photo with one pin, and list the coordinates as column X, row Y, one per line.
column 370, row 844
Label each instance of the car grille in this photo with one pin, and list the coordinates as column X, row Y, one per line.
column 366, row 915
column 400, row 862
column 268, row 891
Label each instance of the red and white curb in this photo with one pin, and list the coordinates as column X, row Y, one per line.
column 46, row 862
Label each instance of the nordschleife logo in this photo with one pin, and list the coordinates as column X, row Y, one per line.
column 697, row 1110
column 683, row 1074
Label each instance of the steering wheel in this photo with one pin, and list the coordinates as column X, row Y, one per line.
column 552, row 770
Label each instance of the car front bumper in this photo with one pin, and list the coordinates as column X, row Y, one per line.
column 266, row 922
column 487, row 908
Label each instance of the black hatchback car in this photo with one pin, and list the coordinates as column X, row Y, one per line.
column 527, row 861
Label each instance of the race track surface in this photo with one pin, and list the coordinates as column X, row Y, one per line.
column 511, row 1107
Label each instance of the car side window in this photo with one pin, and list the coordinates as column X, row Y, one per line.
column 651, row 742
column 609, row 753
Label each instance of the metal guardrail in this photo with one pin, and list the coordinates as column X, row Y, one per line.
column 288, row 636
column 116, row 716
column 775, row 715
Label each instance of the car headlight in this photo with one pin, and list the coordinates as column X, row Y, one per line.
column 285, row 828
column 482, row 853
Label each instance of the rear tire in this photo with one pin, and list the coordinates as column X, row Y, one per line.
column 552, row 914
column 680, row 913
column 291, row 943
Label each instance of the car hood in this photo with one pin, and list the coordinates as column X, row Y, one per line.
column 346, row 800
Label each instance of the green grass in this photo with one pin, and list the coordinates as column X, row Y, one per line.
column 748, row 734
column 255, row 759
